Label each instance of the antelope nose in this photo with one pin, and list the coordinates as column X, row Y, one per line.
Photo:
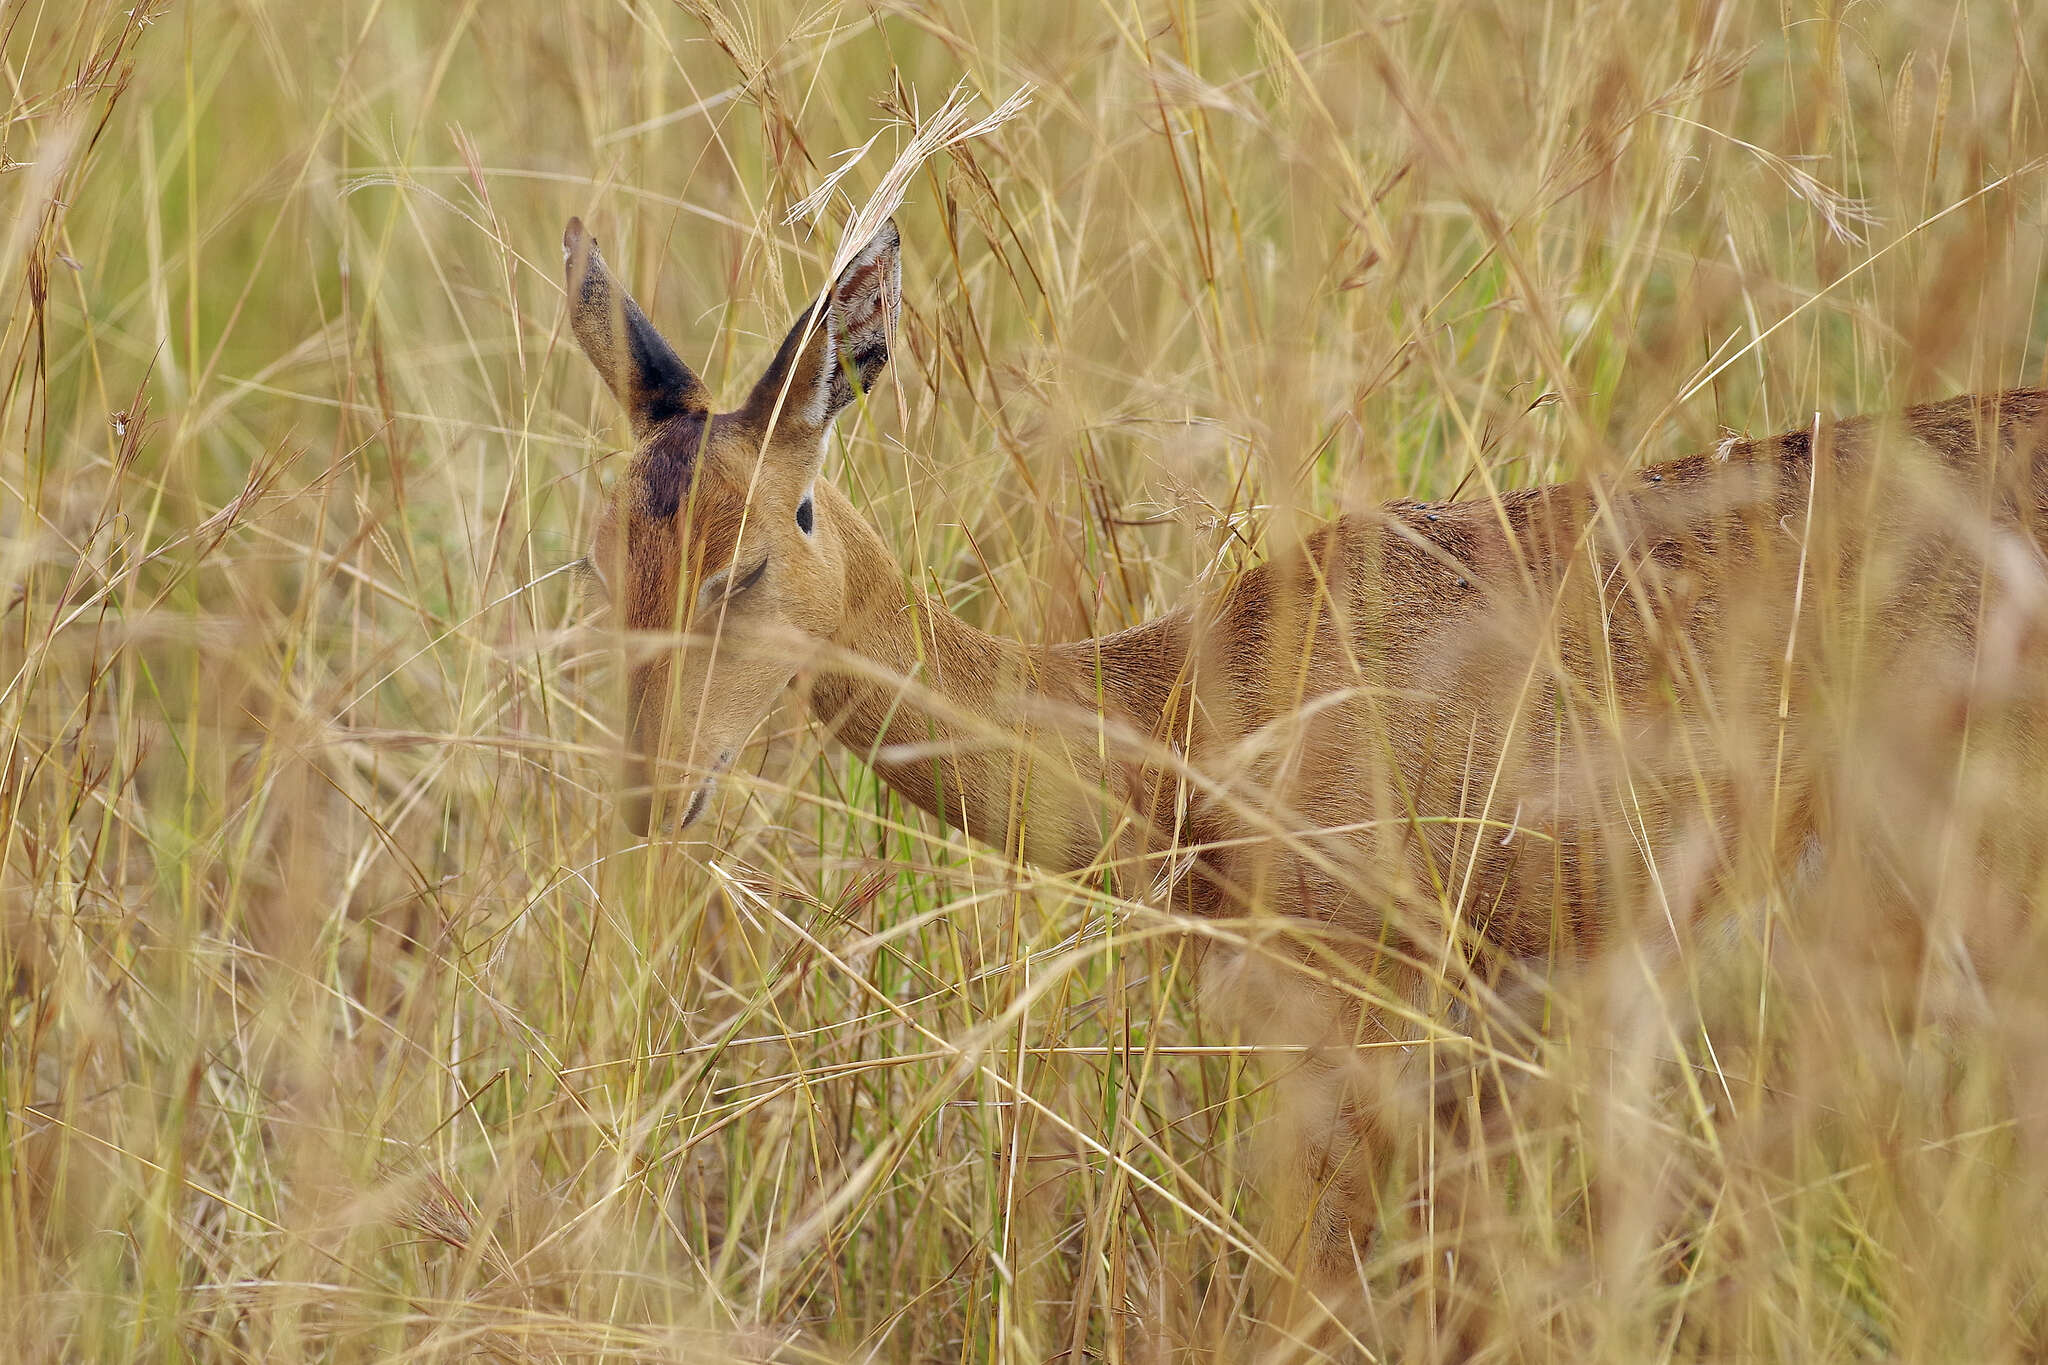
column 636, row 799
column 636, row 809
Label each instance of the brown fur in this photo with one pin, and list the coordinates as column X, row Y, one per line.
column 1441, row 744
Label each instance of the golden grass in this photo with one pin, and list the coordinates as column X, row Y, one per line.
column 340, row 1019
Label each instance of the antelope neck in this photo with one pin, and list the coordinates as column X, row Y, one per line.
column 1027, row 748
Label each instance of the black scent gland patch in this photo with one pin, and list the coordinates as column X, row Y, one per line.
column 806, row 516
column 671, row 457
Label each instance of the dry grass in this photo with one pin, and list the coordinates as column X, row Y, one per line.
column 340, row 1021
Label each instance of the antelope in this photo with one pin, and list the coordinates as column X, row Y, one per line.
column 1445, row 745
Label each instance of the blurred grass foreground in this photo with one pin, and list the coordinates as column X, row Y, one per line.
column 339, row 1019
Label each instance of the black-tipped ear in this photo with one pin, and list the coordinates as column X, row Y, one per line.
column 643, row 371
column 821, row 369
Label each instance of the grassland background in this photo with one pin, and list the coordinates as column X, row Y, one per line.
column 340, row 1019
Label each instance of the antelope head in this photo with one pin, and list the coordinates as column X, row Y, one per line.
column 722, row 576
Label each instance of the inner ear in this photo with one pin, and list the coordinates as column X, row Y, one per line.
column 865, row 301
column 838, row 347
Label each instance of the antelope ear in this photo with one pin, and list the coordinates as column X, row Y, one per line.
column 642, row 370
column 822, row 368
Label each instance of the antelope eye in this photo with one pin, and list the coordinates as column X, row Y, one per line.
column 806, row 515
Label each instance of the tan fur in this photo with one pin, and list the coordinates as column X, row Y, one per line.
column 1440, row 744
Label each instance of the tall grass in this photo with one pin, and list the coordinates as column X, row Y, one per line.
column 341, row 1020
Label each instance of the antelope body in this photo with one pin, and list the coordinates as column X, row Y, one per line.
column 1455, row 747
